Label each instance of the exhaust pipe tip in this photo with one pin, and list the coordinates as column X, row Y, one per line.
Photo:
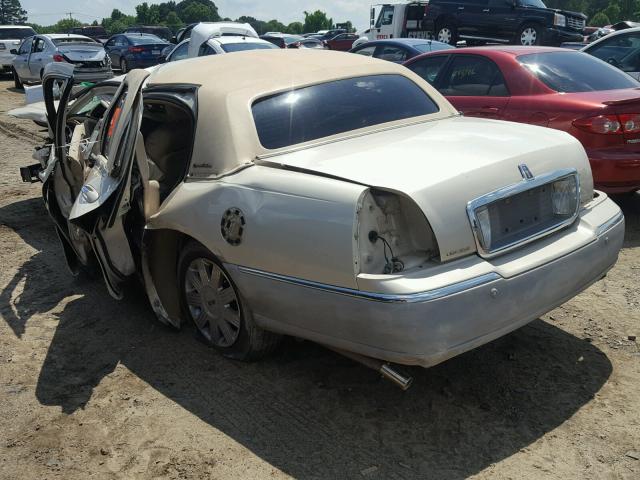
column 392, row 375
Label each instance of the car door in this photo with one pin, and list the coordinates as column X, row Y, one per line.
column 100, row 199
column 36, row 59
column 113, row 47
column 21, row 61
column 498, row 21
column 469, row 17
column 474, row 85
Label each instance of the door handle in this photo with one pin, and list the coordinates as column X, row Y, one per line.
column 484, row 110
column 460, row 8
column 486, row 10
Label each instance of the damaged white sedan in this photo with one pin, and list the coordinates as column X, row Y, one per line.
column 326, row 196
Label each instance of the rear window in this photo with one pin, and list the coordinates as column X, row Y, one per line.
column 239, row 47
column 336, row 107
column 16, row 33
column 144, row 39
column 70, row 40
column 571, row 72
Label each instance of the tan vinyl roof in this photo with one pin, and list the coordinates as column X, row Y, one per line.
column 226, row 137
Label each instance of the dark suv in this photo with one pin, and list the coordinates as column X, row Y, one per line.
column 523, row 22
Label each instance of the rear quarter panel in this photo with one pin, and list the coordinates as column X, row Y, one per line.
column 296, row 224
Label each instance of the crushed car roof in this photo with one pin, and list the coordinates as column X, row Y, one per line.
column 229, row 84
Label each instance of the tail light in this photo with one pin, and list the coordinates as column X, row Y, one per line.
column 136, row 49
column 58, row 58
column 610, row 124
column 630, row 122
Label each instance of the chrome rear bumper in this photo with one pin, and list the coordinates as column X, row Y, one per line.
column 428, row 327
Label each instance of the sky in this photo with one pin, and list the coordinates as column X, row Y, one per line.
column 46, row 12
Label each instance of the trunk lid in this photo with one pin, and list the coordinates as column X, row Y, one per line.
column 445, row 164
column 83, row 53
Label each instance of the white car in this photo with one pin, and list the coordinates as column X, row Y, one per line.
column 346, row 202
column 10, row 38
column 218, row 38
column 620, row 49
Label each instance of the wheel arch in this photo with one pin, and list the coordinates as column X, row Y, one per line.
column 160, row 255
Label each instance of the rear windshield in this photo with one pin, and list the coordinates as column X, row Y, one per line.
column 16, row 33
column 70, row 40
column 144, row 39
column 432, row 47
column 336, row 107
column 239, row 47
column 571, row 72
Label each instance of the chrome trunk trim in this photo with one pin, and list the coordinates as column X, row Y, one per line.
column 511, row 190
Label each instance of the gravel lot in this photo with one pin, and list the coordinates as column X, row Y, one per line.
column 95, row 388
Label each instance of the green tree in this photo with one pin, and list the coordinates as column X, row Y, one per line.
column 191, row 11
column 600, row 20
column 66, row 24
column 147, row 15
column 613, row 13
column 316, row 21
column 173, row 21
column 258, row 25
column 274, row 26
column 295, row 28
column 11, row 12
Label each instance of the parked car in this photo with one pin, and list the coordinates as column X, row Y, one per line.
column 284, row 40
column 135, row 50
column 550, row 87
column 400, row 49
column 523, row 22
column 342, row 42
column 10, row 38
column 96, row 32
column 87, row 56
column 396, row 20
column 620, row 49
column 224, row 37
column 344, row 202
column 323, row 35
column 157, row 30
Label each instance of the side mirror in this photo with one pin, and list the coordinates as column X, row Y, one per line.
column 162, row 59
column 174, row 39
column 13, row 51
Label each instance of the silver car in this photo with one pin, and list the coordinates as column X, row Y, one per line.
column 10, row 38
column 91, row 61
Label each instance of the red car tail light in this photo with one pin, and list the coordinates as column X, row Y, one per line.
column 630, row 122
column 58, row 58
column 136, row 49
column 603, row 124
column 610, row 124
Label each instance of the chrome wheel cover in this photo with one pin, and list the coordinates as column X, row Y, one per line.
column 445, row 35
column 528, row 36
column 212, row 302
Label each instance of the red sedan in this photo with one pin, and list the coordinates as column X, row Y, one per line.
column 342, row 42
column 551, row 87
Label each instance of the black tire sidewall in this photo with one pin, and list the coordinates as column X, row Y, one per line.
column 124, row 67
column 242, row 345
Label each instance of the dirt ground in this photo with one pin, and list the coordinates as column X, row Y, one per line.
column 95, row 388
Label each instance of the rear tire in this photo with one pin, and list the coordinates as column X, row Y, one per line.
column 16, row 80
column 213, row 302
column 530, row 34
column 447, row 33
column 124, row 66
